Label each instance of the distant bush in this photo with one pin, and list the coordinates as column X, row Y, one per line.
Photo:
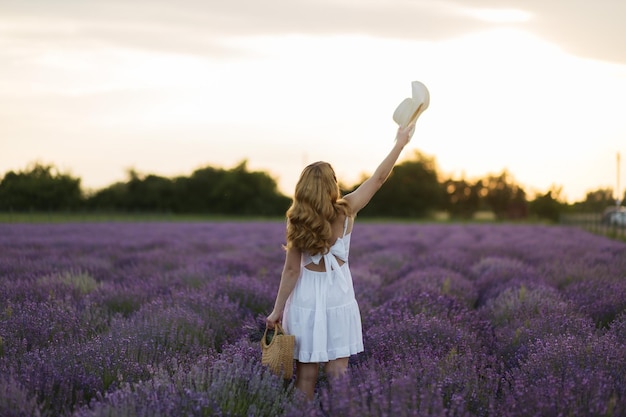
column 40, row 188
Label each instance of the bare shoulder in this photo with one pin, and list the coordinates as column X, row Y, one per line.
column 352, row 202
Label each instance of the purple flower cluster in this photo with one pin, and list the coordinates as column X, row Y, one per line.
column 163, row 319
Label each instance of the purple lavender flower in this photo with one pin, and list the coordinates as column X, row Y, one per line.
column 568, row 375
column 161, row 319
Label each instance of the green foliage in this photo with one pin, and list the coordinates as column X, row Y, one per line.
column 505, row 198
column 547, row 206
column 82, row 282
column 41, row 188
column 462, row 199
column 412, row 190
column 596, row 201
column 209, row 190
column 239, row 191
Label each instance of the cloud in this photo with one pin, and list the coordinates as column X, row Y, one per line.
column 199, row 27
column 588, row 29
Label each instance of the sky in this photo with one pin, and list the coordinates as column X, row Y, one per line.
column 98, row 88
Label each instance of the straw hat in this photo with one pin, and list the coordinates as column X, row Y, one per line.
column 409, row 110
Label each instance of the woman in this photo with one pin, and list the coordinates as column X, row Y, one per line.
column 316, row 295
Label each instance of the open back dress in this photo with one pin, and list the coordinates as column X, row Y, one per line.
column 322, row 312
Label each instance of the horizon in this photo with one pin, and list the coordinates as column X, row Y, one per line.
column 345, row 186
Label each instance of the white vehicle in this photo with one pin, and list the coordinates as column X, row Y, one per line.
column 618, row 218
column 614, row 215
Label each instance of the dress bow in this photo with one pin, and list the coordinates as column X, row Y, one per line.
column 337, row 251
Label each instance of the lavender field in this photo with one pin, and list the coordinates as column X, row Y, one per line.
column 163, row 319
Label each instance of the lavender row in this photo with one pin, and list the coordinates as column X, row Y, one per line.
column 162, row 319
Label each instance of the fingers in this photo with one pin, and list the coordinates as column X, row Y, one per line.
column 270, row 323
column 407, row 128
column 411, row 130
column 405, row 132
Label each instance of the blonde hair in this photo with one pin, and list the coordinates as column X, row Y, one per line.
column 316, row 204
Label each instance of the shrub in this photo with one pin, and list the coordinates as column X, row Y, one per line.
column 569, row 375
column 234, row 384
column 521, row 316
column 15, row 400
column 494, row 275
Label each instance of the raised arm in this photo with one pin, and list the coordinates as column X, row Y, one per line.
column 362, row 195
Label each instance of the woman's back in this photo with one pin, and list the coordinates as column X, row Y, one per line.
column 340, row 247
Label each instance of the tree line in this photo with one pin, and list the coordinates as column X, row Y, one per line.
column 413, row 190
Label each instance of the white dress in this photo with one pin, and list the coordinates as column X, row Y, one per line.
column 322, row 311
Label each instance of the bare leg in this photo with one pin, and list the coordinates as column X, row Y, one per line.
column 306, row 378
column 336, row 367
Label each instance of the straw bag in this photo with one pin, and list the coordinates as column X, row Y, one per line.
column 277, row 352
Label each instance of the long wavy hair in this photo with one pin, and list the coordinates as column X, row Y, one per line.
column 316, row 204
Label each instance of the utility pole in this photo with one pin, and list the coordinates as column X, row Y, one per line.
column 618, row 200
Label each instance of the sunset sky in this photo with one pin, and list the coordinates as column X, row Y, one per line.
column 166, row 87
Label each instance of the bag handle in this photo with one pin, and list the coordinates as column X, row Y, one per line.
column 278, row 329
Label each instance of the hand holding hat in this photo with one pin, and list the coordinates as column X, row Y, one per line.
column 410, row 109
